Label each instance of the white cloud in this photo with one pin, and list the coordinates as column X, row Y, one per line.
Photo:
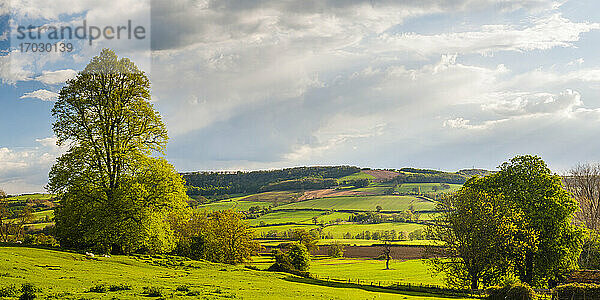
column 56, row 77
column 43, row 95
column 543, row 33
column 25, row 170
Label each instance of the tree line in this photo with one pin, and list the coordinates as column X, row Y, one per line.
column 219, row 183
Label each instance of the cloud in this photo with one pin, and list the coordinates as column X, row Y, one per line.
column 56, row 77
column 43, row 95
column 24, row 170
column 535, row 103
column 543, row 33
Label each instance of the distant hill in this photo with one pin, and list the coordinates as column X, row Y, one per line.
column 220, row 183
column 308, row 178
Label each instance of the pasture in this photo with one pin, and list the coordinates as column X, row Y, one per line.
column 65, row 275
column 364, row 203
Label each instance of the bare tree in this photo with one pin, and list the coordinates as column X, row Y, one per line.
column 583, row 181
column 3, row 216
column 386, row 252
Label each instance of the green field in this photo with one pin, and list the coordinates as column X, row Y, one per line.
column 338, row 231
column 427, row 188
column 411, row 271
column 31, row 196
column 388, row 202
column 356, row 176
column 63, row 275
column 279, row 217
column 232, row 204
column 407, row 272
column 281, row 228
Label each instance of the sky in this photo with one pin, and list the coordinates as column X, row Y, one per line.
column 249, row 84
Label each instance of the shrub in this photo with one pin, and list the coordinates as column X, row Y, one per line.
column 296, row 260
column 336, row 250
column 9, row 291
column 578, row 291
column 28, row 291
column 153, row 291
column 512, row 291
column 98, row 288
column 119, row 287
column 40, row 239
column 183, row 288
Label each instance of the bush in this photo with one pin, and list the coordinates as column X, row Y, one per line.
column 335, row 250
column 578, row 291
column 153, row 291
column 296, row 260
column 9, row 291
column 28, row 291
column 98, row 288
column 513, row 291
column 119, row 287
column 40, row 239
column 183, row 288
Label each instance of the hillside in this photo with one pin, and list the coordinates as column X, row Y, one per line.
column 64, row 275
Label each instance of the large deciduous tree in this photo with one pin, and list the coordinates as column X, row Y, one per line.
column 517, row 221
column 527, row 182
column 113, row 195
column 479, row 231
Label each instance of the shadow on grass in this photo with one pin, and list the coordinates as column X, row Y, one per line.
column 370, row 288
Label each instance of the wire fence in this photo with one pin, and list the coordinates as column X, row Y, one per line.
column 425, row 288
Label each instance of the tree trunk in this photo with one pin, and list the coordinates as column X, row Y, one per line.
column 474, row 283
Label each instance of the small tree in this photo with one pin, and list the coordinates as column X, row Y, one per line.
column 295, row 259
column 477, row 229
column 336, row 249
column 220, row 236
column 386, row 253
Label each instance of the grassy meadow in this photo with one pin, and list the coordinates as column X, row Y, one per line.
column 65, row 275
column 364, row 203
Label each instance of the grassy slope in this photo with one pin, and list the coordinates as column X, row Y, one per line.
column 427, row 187
column 407, row 272
column 338, row 231
column 232, row 204
column 364, row 203
column 355, row 176
column 69, row 276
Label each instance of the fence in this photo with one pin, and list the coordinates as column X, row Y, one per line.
column 426, row 288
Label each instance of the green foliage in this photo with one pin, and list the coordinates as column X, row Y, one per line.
column 307, row 238
column 547, row 210
column 590, row 255
column 359, row 183
column 514, row 291
column 335, row 250
column 221, row 236
column 479, row 230
column 29, row 291
column 577, row 291
column 219, row 183
column 40, row 239
column 153, row 291
column 9, row 291
column 113, row 196
column 295, row 260
column 98, row 288
column 516, row 221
